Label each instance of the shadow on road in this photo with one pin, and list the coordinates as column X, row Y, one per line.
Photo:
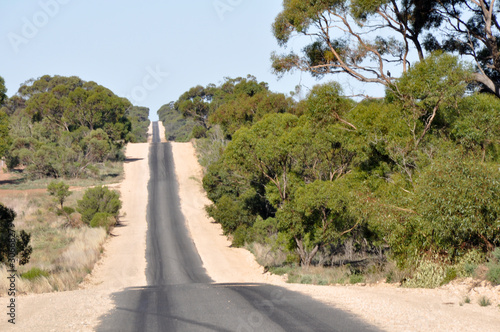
column 224, row 307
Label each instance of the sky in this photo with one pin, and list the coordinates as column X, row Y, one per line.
column 148, row 51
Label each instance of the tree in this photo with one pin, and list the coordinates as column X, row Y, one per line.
column 3, row 91
column 99, row 199
column 12, row 244
column 355, row 37
column 70, row 125
column 470, row 28
column 317, row 215
column 139, row 118
column 195, row 103
column 5, row 139
column 360, row 37
column 60, row 191
column 431, row 84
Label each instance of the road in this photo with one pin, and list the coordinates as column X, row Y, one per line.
column 180, row 296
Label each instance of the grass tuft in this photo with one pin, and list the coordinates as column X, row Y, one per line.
column 34, row 273
column 484, row 301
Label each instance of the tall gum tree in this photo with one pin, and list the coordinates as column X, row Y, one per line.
column 361, row 38
column 357, row 37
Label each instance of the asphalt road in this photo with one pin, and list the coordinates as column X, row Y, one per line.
column 180, row 296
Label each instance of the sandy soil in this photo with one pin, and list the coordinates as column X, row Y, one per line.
column 386, row 306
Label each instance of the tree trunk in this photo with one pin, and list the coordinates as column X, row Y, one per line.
column 488, row 83
column 305, row 257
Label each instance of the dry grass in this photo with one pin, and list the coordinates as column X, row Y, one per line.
column 364, row 270
column 265, row 255
column 64, row 254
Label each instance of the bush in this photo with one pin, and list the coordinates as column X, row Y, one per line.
column 428, row 275
column 468, row 264
column 450, row 275
column 199, row 132
column 356, row 278
column 59, row 190
column 104, row 220
column 493, row 274
column 99, row 199
column 66, row 211
column 239, row 236
column 34, row 273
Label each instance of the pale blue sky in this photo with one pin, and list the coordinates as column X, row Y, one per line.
column 149, row 51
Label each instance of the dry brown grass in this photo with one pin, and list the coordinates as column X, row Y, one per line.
column 66, row 255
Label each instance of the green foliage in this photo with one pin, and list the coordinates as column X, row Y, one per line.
column 65, row 211
column 356, row 279
column 242, row 101
column 99, row 199
column 12, row 239
column 450, row 275
column 493, row 274
column 414, row 174
column 104, row 220
column 177, row 127
column 240, row 236
column 139, row 119
column 3, row 91
column 199, row 132
column 5, row 139
column 478, row 127
column 60, row 191
column 228, row 212
column 326, row 103
column 63, row 126
column 453, row 203
column 35, row 273
column 468, row 264
column 428, row 87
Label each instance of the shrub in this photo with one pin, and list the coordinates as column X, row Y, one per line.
column 59, row 190
column 484, row 301
column 199, row 132
column 468, row 264
column 428, row 275
column 104, row 220
column 34, row 273
column 239, row 236
column 493, row 274
column 356, row 278
column 65, row 211
column 99, row 199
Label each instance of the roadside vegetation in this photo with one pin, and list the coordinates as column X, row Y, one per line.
column 62, row 139
column 330, row 190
